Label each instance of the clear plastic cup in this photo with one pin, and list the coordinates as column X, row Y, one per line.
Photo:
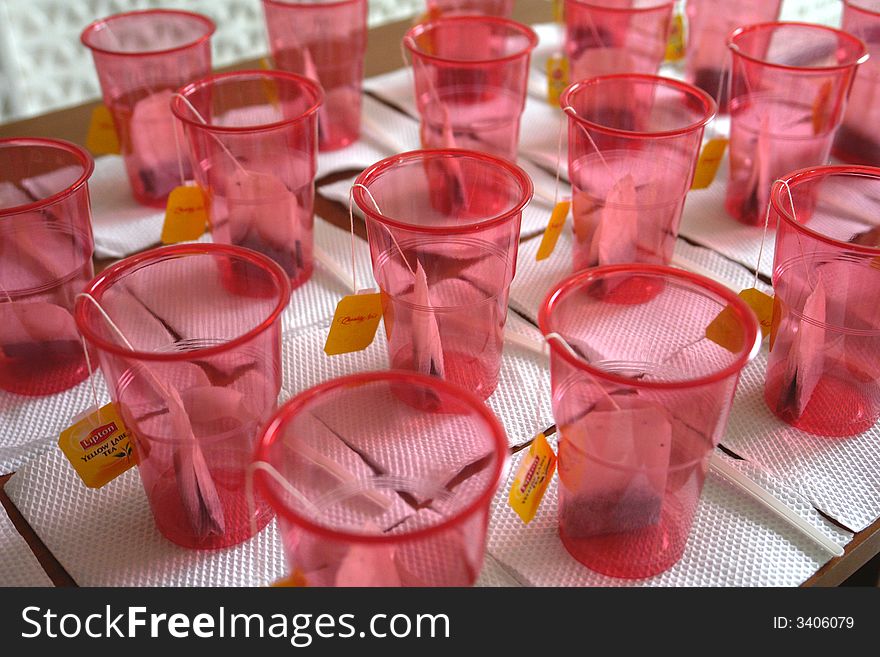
column 253, row 137
column 471, row 78
column 788, row 90
column 193, row 362
column 503, row 8
column 857, row 140
column 326, row 42
column 604, row 37
column 709, row 23
column 823, row 373
column 634, row 141
column 443, row 228
column 141, row 58
column 641, row 398
column 372, row 491
column 46, row 251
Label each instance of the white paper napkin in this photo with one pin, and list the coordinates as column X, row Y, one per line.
column 19, row 566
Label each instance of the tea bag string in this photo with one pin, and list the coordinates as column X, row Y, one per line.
column 562, row 121
column 568, row 109
column 215, row 137
column 432, row 89
column 562, row 342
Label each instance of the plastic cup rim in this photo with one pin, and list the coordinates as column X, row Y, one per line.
column 300, row 5
column 283, row 415
column 209, row 80
column 851, row 4
column 377, row 169
column 210, row 28
column 577, row 281
column 626, row 10
column 514, row 26
column 111, row 275
column 86, row 160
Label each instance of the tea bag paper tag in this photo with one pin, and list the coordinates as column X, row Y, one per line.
column 532, row 478
column 354, row 323
column 559, row 11
column 727, row 332
column 709, row 162
column 294, row 580
column 820, row 107
column 675, row 47
column 557, row 77
column 186, row 215
column 98, row 446
column 102, row 138
column 270, row 87
column 554, row 230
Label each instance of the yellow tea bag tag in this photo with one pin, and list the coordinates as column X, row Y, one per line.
column 270, row 87
column 709, row 162
column 557, row 77
column 98, row 446
column 727, row 332
column 820, row 107
column 554, row 230
column 354, row 323
column 294, row 580
column 675, row 47
column 102, row 138
column 534, row 474
column 559, row 11
column 186, row 215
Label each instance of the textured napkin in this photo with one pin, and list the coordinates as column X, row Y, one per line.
column 734, row 542
column 19, row 566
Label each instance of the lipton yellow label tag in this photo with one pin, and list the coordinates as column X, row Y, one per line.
column 709, row 162
column 675, row 47
column 98, row 446
column 354, row 323
column 270, row 87
column 559, row 11
column 186, row 215
column 554, row 230
column 557, row 77
column 534, row 474
column 102, row 138
column 726, row 331
column 821, row 107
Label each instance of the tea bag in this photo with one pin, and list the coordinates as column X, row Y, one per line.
column 30, row 327
column 869, row 237
column 806, row 359
column 263, row 216
column 152, row 137
column 427, row 347
column 614, row 464
column 615, row 240
column 758, row 185
column 311, row 72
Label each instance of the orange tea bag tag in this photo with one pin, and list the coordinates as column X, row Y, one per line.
column 186, row 215
column 102, row 138
column 295, row 580
column 532, row 478
column 270, row 87
column 354, row 323
column 709, row 162
column 675, row 47
column 554, row 230
column 557, row 77
column 727, row 332
column 559, row 11
column 98, row 446
column 820, row 107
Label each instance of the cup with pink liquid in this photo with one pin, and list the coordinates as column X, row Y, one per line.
column 141, row 58
column 823, row 372
column 788, row 91
column 471, row 76
column 372, row 491
column 325, row 42
column 604, row 37
column 46, row 251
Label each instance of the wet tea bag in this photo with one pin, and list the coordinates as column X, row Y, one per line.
column 869, row 237
column 615, row 240
column 427, row 347
column 614, row 464
column 47, row 184
column 759, row 182
column 152, row 129
column 806, row 359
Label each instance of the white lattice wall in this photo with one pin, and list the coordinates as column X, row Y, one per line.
column 43, row 66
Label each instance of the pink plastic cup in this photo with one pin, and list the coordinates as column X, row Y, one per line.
column 788, row 91
column 254, row 138
column 195, row 370
column 856, row 138
column 471, row 77
column 46, row 251
column 605, row 37
column 709, row 22
column 141, row 57
column 641, row 398
column 443, row 228
column 326, row 42
column 371, row 491
column 503, row 8
column 634, row 141
column 823, row 373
